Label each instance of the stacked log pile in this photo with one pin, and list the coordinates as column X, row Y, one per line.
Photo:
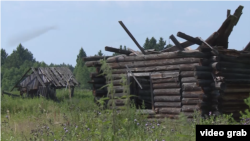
column 174, row 80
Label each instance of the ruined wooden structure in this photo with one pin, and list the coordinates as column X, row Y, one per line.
column 211, row 78
column 43, row 81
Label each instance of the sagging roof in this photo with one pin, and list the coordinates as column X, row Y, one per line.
column 42, row 76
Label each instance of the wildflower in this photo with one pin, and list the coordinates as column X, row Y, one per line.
column 135, row 120
column 54, row 139
column 146, row 124
column 99, row 113
column 88, row 129
column 48, row 128
column 7, row 117
column 64, row 128
column 172, row 130
column 153, row 127
column 137, row 123
column 66, row 131
column 210, row 113
column 158, row 124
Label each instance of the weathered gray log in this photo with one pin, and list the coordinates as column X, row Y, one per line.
column 190, row 101
column 196, row 74
column 158, row 68
column 116, row 50
column 165, row 74
column 188, row 80
column 167, row 98
column 166, row 55
column 166, row 91
column 234, row 59
column 190, row 87
column 228, row 12
column 95, row 58
column 193, row 94
column 158, row 62
column 204, row 82
column 167, row 104
column 145, row 111
column 232, row 103
column 169, row 110
column 176, row 42
column 237, row 81
column 165, row 80
column 190, row 108
column 210, row 40
column 234, row 96
column 166, row 85
column 189, row 38
column 93, row 63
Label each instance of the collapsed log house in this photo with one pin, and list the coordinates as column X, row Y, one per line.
column 174, row 80
column 44, row 81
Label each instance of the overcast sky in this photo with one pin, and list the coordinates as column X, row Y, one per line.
column 55, row 31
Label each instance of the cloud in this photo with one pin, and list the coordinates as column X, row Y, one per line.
column 24, row 37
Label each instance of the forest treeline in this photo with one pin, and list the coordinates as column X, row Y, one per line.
column 14, row 66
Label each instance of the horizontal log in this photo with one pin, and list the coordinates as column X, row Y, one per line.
column 233, row 70
column 233, row 90
column 233, row 75
column 167, row 98
column 236, row 81
column 166, row 85
column 232, row 103
column 190, row 101
column 165, row 80
column 188, row 80
column 167, row 91
column 167, row 104
column 234, row 59
column 159, row 62
column 202, row 68
column 120, row 51
column 95, row 58
column 188, row 67
column 143, row 81
column 234, row 96
column 166, row 74
column 171, row 116
column 93, row 63
column 204, row 82
column 190, row 87
column 190, row 108
column 196, row 74
column 165, row 55
column 169, row 110
column 193, row 94
column 219, row 65
column 157, row 68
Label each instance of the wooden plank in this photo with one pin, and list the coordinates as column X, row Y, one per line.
column 64, row 75
column 116, row 50
column 169, row 110
column 48, row 71
column 38, row 77
column 62, row 82
column 175, row 91
column 95, row 58
column 176, row 42
column 167, row 104
column 70, row 73
column 166, row 85
column 167, row 98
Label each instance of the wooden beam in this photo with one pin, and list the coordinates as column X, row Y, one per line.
column 116, row 50
column 94, row 58
column 38, row 77
column 132, row 37
column 176, row 42
column 189, row 38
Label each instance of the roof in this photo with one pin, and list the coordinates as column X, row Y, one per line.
column 58, row 76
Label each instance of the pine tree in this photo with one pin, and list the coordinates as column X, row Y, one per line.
column 4, row 56
column 161, row 44
column 146, row 44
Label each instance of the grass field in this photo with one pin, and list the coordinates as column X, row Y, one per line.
column 79, row 118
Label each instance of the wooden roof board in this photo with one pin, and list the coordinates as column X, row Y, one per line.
column 51, row 75
column 64, row 75
column 45, row 72
column 58, row 76
column 38, row 77
column 73, row 78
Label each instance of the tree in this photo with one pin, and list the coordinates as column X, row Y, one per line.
column 146, row 44
column 4, row 56
column 161, row 44
column 100, row 53
column 124, row 48
column 18, row 56
column 169, row 45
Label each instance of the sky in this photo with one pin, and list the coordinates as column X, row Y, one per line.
column 55, row 31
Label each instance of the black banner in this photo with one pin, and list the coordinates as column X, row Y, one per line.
column 228, row 132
